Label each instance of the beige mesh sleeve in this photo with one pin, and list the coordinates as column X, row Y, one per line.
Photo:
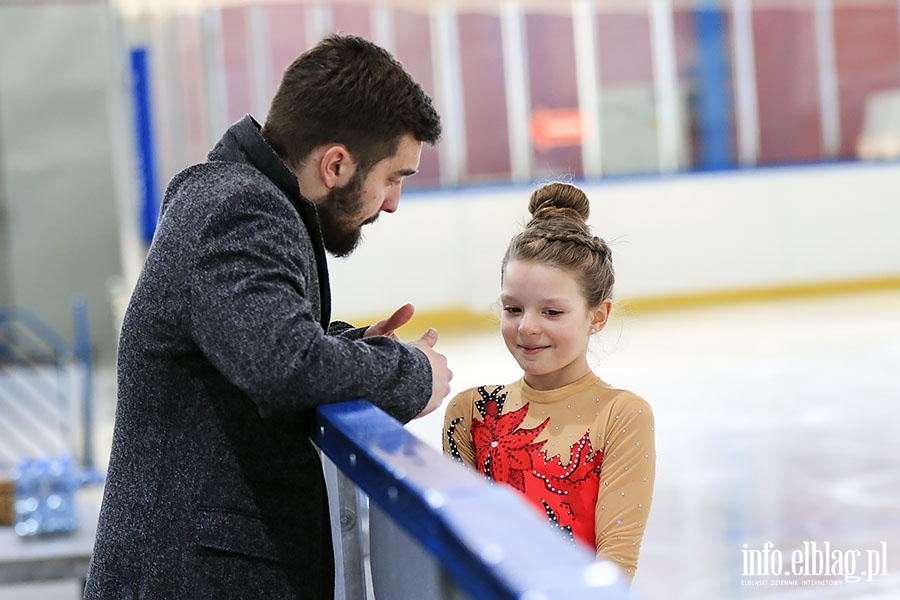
column 457, row 436
column 626, row 482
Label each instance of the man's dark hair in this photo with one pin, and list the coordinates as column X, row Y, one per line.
column 350, row 91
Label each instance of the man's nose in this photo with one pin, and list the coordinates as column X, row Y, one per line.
column 391, row 201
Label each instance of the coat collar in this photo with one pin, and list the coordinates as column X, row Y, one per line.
column 244, row 143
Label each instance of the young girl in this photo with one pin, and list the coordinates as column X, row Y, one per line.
column 579, row 449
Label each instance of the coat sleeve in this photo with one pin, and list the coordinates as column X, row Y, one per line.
column 346, row 330
column 252, row 316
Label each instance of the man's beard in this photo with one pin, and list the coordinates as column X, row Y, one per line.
column 339, row 214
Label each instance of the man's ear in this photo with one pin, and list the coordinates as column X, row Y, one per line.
column 336, row 166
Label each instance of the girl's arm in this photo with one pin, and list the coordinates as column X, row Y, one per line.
column 457, row 433
column 626, row 483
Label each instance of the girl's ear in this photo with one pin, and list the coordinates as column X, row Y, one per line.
column 600, row 315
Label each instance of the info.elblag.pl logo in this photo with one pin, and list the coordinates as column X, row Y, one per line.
column 813, row 563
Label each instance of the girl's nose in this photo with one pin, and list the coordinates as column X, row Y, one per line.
column 528, row 324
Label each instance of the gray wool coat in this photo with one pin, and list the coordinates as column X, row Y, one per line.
column 214, row 489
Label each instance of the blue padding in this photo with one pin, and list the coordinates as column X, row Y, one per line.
column 490, row 542
column 713, row 98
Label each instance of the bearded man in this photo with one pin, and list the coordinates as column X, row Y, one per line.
column 214, row 489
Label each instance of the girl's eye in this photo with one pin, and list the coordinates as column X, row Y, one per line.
column 512, row 309
column 553, row 313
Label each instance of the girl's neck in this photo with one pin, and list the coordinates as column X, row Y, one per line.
column 555, row 380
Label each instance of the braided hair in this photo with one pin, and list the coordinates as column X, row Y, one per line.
column 558, row 235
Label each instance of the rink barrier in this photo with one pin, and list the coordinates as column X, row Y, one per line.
column 410, row 523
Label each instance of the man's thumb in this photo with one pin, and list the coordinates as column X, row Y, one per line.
column 429, row 337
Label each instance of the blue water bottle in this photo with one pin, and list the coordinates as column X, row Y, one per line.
column 27, row 503
column 64, row 480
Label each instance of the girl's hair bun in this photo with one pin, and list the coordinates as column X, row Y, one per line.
column 559, row 201
column 558, row 235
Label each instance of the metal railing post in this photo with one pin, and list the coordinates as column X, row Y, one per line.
column 347, row 534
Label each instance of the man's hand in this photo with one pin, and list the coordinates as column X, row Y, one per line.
column 387, row 327
column 440, row 374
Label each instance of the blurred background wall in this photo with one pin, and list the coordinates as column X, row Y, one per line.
column 60, row 171
column 729, row 147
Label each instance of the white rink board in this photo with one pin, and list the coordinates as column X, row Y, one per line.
column 684, row 234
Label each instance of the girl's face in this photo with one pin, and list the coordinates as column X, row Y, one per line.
column 547, row 324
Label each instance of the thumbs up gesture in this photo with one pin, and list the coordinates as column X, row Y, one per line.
column 440, row 373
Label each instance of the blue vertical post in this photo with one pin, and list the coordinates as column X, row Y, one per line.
column 83, row 354
column 713, row 88
column 146, row 150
